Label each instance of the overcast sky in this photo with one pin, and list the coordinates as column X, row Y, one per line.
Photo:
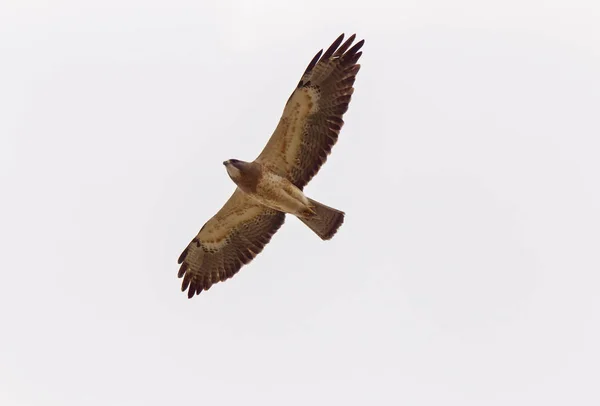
column 466, row 272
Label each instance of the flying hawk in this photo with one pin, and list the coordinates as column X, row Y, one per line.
column 271, row 185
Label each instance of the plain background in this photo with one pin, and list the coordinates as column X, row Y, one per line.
column 466, row 272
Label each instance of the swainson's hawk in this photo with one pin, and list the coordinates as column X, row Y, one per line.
column 271, row 185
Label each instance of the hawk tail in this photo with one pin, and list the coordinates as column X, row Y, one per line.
column 325, row 220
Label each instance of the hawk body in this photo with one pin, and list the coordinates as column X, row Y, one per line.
column 272, row 185
column 267, row 188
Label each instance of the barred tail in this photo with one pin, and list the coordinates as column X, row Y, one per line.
column 325, row 221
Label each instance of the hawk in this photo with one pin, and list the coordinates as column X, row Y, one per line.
column 271, row 186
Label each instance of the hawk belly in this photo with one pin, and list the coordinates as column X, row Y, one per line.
column 276, row 192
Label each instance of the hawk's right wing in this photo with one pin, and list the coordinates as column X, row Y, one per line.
column 232, row 238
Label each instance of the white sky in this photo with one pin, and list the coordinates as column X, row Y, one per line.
column 467, row 270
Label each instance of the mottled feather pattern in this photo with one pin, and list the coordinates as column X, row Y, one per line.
column 333, row 75
column 319, row 102
column 308, row 129
column 243, row 228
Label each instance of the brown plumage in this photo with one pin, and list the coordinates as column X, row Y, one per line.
column 272, row 185
column 218, row 252
column 248, row 174
column 324, row 220
column 325, row 89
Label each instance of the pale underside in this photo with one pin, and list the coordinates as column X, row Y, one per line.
column 281, row 152
column 278, row 193
column 307, row 130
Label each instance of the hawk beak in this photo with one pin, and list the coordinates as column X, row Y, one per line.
column 225, row 163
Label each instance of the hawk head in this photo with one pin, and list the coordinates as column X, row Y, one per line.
column 245, row 174
column 235, row 168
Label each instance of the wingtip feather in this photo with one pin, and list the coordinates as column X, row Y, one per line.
column 333, row 47
column 355, row 48
column 312, row 63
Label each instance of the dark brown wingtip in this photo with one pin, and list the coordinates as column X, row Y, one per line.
column 196, row 287
column 182, row 256
column 182, row 270
column 186, row 282
column 314, row 61
column 340, row 51
column 333, row 47
column 353, row 59
column 352, row 51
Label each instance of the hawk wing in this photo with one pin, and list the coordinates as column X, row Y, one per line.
column 312, row 117
column 232, row 238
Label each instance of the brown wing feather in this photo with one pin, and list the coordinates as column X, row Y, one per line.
column 232, row 238
column 312, row 118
